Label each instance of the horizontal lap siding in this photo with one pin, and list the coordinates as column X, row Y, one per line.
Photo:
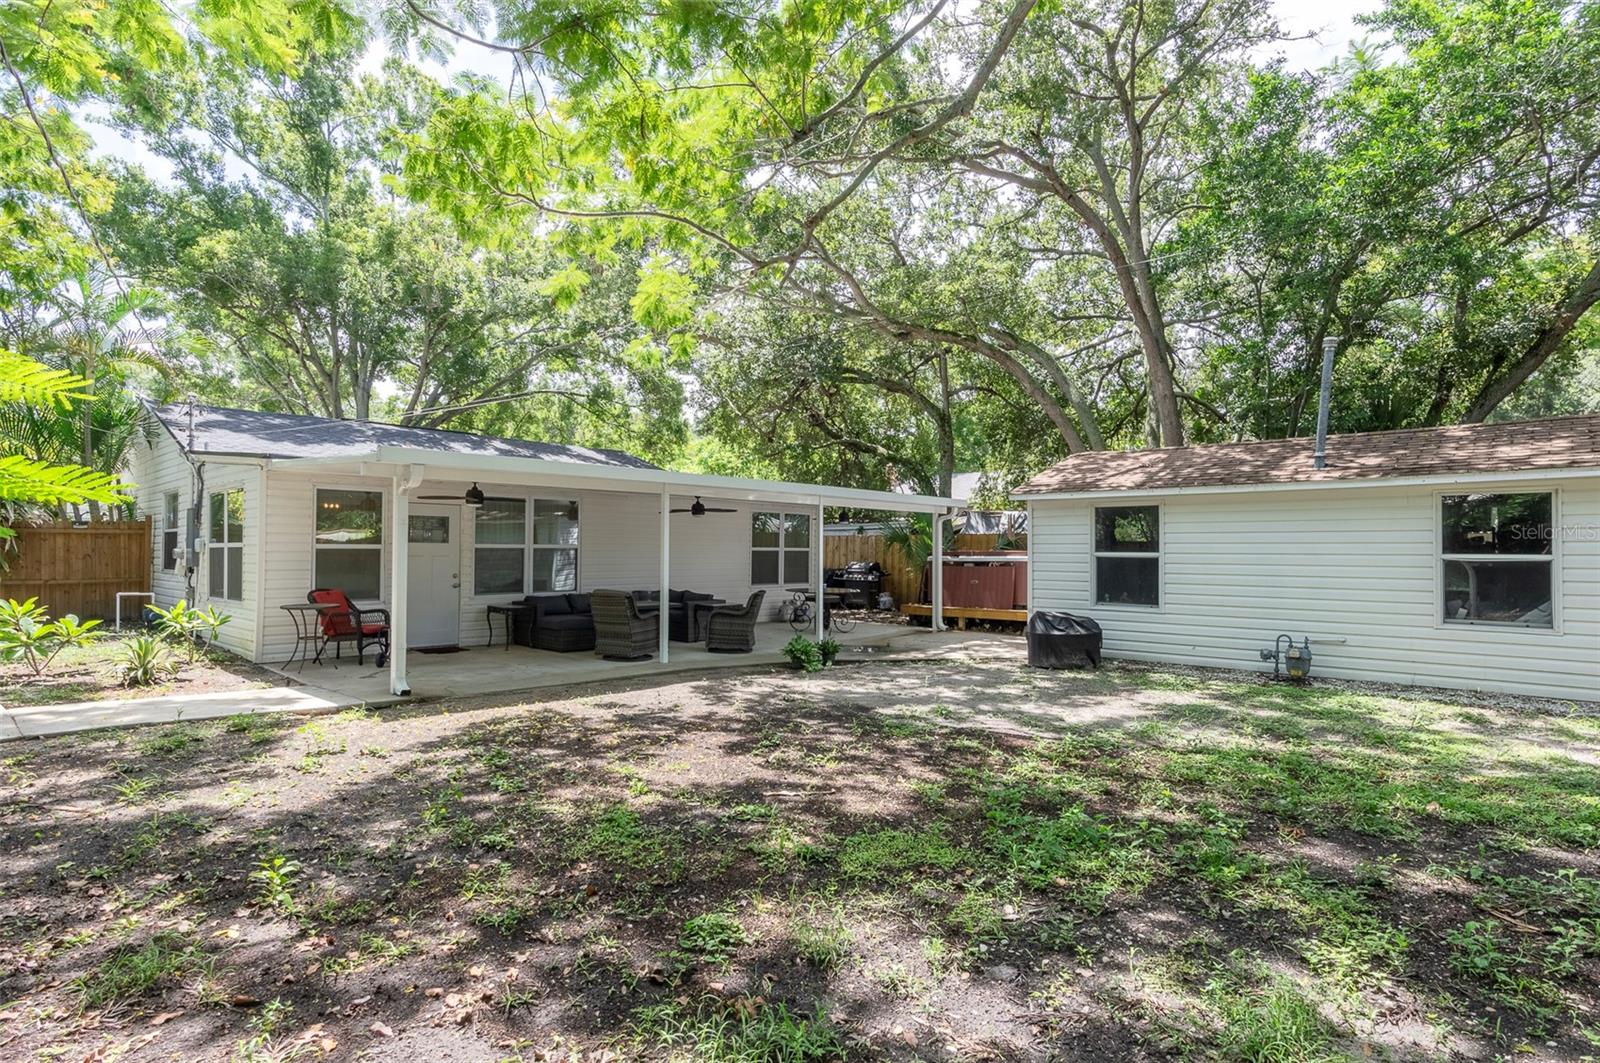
column 618, row 548
column 155, row 469
column 239, row 634
column 1357, row 565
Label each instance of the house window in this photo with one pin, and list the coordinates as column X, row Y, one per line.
column 500, row 553
column 780, row 548
column 169, row 532
column 348, row 553
column 1127, row 555
column 555, row 545
column 225, row 560
column 505, row 561
column 1497, row 553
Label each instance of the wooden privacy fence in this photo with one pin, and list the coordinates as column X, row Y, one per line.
column 900, row 577
column 80, row 569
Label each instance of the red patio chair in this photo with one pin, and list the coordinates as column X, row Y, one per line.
column 351, row 624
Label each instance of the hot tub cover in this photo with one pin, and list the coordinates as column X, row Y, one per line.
column 1062, row 640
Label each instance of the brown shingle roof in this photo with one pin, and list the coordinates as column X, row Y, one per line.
column 1512, row 446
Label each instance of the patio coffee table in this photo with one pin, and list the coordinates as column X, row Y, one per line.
column 699, row 613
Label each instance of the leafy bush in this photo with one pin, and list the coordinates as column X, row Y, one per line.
column 145, row 662
column 803, row 653
column 192, row 628
column 829, row 649
column 28, row 634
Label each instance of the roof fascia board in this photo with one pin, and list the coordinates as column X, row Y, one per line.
column 614, row 477
column 1374, row 481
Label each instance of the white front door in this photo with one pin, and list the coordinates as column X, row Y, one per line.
column 433, row 585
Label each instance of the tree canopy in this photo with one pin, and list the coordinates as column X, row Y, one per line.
column 866, row 241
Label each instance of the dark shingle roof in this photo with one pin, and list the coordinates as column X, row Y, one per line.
column 1512, row 446
column 254, row 433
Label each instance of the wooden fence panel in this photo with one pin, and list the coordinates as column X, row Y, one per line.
column 80, row 569
column 900, row 578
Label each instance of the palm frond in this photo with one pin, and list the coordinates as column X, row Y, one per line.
column 25, row 380
column 25, row 480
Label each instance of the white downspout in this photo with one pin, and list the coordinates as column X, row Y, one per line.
column 399, row 570
column 819, row 540
column 936, row 572
column 666, row 564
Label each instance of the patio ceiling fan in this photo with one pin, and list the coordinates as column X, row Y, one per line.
column 700, row 509
column 474, row 497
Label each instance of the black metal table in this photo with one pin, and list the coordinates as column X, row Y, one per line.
column 510, row 613
column 307, row 617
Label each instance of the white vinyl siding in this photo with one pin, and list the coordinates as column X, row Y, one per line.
column 157, row 469
column 618, row 548
column 1356, row 569
column 239, row 634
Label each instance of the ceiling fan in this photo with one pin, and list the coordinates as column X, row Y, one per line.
column 474, row 497
column 700, row 509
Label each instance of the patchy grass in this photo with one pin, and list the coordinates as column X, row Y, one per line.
column 940, row 861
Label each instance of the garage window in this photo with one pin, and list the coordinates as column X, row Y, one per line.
column 1497, row 551
column 1127, row 555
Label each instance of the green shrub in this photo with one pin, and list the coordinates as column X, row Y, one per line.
column 144, row 661
column 803, row 653
column 189, row 627
column 27, row 634
column 829, row 649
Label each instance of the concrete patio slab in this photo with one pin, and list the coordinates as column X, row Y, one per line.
column 484, row 671
column 497, row 670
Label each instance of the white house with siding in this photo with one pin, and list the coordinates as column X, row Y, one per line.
column 256, row 509
column 1464, row 557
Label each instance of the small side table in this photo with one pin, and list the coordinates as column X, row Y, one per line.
column 510, row 613
column 131, row 594
column 307, row 617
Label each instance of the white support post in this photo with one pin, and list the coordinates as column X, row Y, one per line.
column 399, row 569
column 936, row 573
column 666, row 563
column 1027, row 598
column 817, row 544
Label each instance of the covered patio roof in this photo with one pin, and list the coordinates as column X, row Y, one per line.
column 408, row 467
column 505, row 469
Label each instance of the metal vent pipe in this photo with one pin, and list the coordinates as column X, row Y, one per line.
column 1329, row 345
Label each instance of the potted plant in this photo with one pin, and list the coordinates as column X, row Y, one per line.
column 803, row 654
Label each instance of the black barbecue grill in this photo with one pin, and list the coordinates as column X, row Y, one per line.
column 861, row 582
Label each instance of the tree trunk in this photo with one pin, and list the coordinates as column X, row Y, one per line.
column 1549, row 339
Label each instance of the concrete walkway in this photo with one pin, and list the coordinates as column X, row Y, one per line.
column 36, row 720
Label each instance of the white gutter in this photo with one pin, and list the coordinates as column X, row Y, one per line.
column 1317, row 485
column 492, row 467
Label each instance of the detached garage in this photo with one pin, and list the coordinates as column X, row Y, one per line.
column 1465, row 557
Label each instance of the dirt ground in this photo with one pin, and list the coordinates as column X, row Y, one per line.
column 93, row 673
column 938, row 860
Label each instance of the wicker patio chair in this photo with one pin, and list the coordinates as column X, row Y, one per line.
column 732, row 628
column 346, row 623
column 620, row 633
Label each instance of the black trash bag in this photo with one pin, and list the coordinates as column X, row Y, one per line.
column 1061, row 640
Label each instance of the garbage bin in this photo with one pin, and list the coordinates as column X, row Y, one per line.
column 1061, row 640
